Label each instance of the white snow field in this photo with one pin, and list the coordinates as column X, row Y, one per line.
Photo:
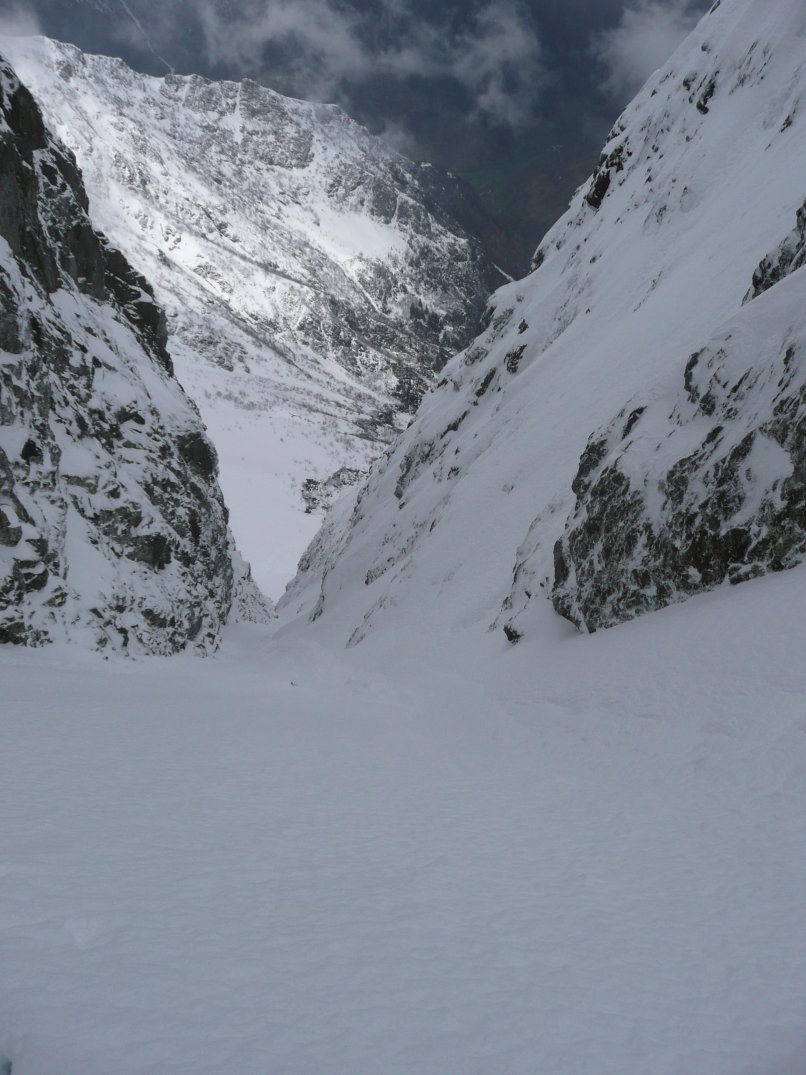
column 586, row 859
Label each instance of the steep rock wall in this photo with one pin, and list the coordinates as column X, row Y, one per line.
column 113, row 530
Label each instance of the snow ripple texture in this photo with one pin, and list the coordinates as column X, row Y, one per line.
column 584, row 860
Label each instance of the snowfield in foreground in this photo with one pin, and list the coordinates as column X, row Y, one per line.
column 585, row 859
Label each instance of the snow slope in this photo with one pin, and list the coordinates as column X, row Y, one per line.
column 583, row 858
column 700, row 181
column 312, row 282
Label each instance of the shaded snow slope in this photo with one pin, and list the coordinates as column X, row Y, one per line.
column 312, row 282
column 112, row 526
column 586, row 859
column 700, row 181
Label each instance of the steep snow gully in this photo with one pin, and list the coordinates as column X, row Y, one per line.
column 374, row 837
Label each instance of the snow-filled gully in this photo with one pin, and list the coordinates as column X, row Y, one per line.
column 286, row 860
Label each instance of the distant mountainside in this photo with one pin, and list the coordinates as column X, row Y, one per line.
column 522, row 180
column 312, row 280
column 113, row 530
column 630, row 427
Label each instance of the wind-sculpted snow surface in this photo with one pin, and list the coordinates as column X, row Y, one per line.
column 694, row 197
column 112, row 525
column 579, row 858
column 312, row 282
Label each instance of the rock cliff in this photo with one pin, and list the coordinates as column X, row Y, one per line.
column 113, row 530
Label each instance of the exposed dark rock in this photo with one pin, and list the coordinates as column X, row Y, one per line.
column 538, row 259
column 631, row 422
column 655, row 524
column 413, row 462
column 31, row 452
column 609, row 165
column 454, row 425
column 319, row 495
column 198, row 452
column 598, row 189
column 134, row 294
column 513, row 358
column 485, row 384
column 788, row 258
column 10, row 533
column 154, row 550
column 486, row 319
column 706, row 95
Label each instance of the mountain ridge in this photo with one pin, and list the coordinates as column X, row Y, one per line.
column 311, row 280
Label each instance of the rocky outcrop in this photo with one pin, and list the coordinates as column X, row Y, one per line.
column 610, row 165
column 112, row 527
column 786, row 259
column 319, row 495
column 677, row 496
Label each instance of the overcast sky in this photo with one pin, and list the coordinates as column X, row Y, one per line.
column 502, row 57
column 515, row 95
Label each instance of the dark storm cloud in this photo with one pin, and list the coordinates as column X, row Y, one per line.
column 330, row 50
column 488, row 62
column 516, row 96
column 19, row 21
column 642, row 41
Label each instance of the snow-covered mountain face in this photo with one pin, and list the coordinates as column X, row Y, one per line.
column 636, row 403
column 113, row 530
column 312, row 283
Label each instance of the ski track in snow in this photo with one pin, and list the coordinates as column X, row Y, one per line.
column 286, row 860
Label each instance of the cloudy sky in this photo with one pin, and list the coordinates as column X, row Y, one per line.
column 514, row 95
